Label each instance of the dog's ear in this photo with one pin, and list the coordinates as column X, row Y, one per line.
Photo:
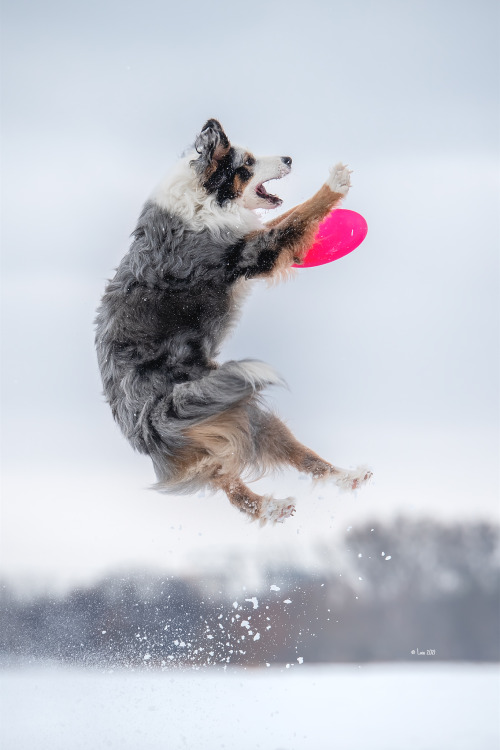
column 212, row 144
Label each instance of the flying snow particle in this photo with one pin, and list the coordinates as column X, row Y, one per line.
column 287, row 601
column 389, row 557
column 254, row 601
column 256, row 637
column 273, row 587
column 300, row 659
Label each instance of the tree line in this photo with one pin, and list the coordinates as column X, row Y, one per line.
column 408, row 590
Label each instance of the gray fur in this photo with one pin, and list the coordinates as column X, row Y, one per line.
column 210, row 144
column 172, row 301
column 160, row 325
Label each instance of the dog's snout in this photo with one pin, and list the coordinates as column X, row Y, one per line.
column 287, row 160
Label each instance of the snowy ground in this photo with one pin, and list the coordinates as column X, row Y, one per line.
column 376, row 707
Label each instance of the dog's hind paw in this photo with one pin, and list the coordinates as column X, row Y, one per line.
column 352, row 480
column 275, row 511
column 339, row 180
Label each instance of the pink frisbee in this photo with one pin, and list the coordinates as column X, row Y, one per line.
column 339, row 234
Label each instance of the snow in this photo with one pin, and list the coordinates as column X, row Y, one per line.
column 297, row 707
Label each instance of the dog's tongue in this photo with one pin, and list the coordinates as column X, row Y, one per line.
column 339, row 234
column 261, row 190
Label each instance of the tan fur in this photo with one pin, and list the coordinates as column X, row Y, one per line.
column 222, row 449
column 225, row 439
column 278, row 219
column 239, row 184
column 240, row 495
column 298, row 227
column 222, row 446
column 163, row 385
column 221, row 150
column 219, row 153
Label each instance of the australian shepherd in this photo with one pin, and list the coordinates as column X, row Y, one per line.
column 172, row 301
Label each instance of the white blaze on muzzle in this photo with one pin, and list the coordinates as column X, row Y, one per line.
column 266, row 168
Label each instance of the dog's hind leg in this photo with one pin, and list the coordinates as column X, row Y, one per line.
column 278, row 444
column 262, row 508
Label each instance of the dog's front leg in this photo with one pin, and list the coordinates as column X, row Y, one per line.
column 300, row 226
column 279, row 219
column 287, row 238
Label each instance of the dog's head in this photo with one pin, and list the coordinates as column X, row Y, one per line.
column 232, row 173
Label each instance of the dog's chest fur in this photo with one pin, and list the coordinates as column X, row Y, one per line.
column 170, row 304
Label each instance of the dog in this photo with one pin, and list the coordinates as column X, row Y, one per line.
column 175, row 296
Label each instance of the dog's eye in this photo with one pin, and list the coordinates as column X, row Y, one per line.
column 250, row 162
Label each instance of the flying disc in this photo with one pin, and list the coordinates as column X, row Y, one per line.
column 339, row 234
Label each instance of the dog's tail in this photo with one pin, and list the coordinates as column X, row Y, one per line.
column 222, row 388
column 193, row 402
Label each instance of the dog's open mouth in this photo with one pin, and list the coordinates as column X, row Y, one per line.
column 269, row 197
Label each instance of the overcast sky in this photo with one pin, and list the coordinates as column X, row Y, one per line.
column 391, row 353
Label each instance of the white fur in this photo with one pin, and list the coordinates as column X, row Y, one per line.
column 181, row 194
column 276, row 511
column 339, row 180
column 266, row 168
column 352, row 480
column 258, row 373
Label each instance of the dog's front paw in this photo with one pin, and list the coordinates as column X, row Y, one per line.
column 339, row 180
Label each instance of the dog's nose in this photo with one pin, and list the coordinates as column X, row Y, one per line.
column 287, row 160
